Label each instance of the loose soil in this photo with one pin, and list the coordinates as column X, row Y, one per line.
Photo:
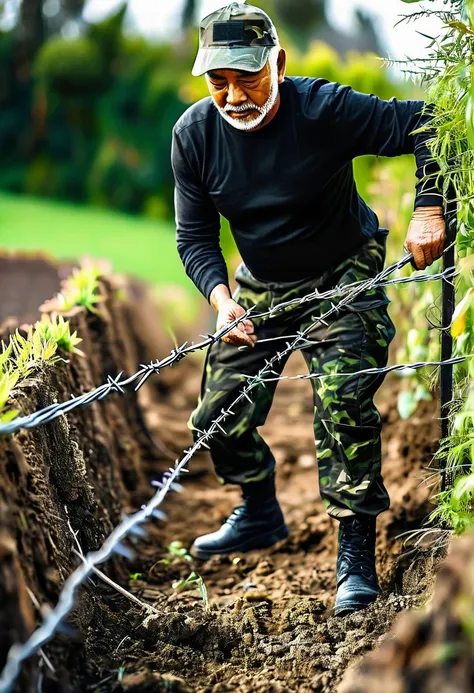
column 430, row 651
column 18, row 300
column 269, row 625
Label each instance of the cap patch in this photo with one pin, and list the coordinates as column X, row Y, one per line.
column 241, row 33
column 228, row 32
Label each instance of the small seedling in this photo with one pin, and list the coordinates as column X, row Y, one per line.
column 4, row 356
column 8, row 380
column 81, row 289
column 135, row 576
column 177, row 549
column 55, row 329
column 24, row 355
column 193, row 581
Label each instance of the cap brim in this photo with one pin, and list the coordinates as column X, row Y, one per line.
column 248, row 58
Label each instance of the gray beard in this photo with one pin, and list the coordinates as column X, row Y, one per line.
column 263, row 111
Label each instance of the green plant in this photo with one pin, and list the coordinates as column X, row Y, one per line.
column 176, row 550
column 28, row 352
column 456, row 503
column 390, row 193
column 70, row 66
column 448, row 74
column 8, row 381
column 420, row 342
column 81, row 288
column 193, row 581
column 56, row 330
column 23, row 355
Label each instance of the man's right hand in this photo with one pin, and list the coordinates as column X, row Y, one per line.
column 229, row 310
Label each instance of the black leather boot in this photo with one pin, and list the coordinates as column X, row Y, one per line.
column 357, row 584
column 255, row 524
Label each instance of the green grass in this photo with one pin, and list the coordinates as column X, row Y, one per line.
column 141, row 247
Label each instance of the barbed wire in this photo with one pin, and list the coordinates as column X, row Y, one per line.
column 447, row 274
column 131, row 525
column 138, row 379
column 366, row 371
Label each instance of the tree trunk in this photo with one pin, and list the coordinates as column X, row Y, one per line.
column 31, row 28
column 189, row 14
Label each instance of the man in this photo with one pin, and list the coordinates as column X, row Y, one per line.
column 274, row 156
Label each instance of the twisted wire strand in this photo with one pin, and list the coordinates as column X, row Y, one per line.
column 366, row 371
column 132, row 524
column 447, row 274
column 119, row 385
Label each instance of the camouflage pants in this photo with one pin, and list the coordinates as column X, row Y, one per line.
column 347, row 424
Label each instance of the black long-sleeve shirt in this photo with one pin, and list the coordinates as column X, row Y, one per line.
column 287, row 189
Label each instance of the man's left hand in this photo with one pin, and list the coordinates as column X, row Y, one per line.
column 426, row 235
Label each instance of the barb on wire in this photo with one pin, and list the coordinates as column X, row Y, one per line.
column 446, row 274
column 105, row 578
column 48, row 414
column 132, row 524
column 366, row 371
column 117, row 385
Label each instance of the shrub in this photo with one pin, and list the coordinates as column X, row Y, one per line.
column 71, row 66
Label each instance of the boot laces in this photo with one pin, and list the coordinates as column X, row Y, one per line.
column 237, row 514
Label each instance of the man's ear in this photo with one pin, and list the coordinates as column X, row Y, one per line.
column 281, row 65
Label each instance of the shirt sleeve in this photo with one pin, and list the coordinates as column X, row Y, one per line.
column 369, row 125
column 197, row 226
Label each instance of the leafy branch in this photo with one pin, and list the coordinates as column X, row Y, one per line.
column 448, row 75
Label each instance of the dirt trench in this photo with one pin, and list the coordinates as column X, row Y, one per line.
column 268, row 627
column 86, row 468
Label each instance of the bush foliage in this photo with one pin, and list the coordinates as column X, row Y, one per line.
column 92, row 123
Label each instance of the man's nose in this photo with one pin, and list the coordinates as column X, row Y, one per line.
column 235, row 95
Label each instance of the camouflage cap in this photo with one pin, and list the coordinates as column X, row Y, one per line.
column 235, row 37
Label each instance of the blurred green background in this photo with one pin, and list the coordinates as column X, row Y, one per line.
column 86, row 120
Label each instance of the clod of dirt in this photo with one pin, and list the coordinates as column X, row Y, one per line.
column 148, row 682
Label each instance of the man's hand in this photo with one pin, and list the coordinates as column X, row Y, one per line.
column 229, row 310
column 426, row 235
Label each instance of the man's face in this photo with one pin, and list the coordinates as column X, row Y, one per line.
column 245, row 98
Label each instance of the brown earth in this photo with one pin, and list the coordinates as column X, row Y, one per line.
column 87, row 467
column 269, row 626
column 18, row 300
column 432, row 651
